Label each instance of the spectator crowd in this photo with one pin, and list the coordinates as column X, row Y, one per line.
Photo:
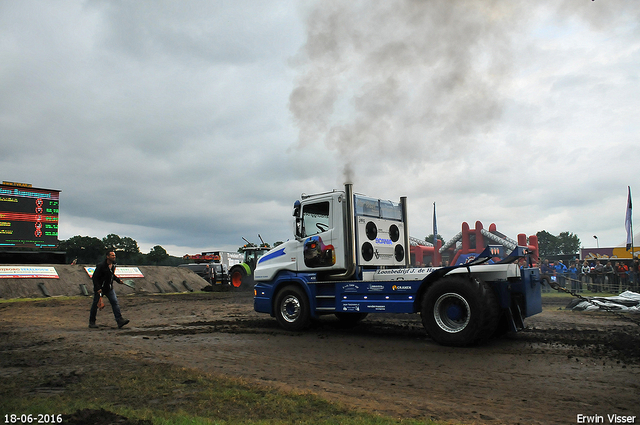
column 612, row 276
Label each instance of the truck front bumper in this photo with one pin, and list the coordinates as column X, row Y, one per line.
column 262, row 298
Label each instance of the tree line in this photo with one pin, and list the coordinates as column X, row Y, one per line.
column 565, row 243
column 91, row 250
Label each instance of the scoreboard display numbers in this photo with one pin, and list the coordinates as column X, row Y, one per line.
column 28, row 216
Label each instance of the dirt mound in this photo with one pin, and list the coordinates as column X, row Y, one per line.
column 157, row 279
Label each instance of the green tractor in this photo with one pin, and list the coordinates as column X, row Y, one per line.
column 241, row 275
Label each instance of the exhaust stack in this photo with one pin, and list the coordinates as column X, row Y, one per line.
column 350, row 236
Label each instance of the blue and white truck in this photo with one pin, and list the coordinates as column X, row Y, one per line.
column 350, row 257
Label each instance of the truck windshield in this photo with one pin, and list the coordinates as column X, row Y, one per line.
column 315, row 218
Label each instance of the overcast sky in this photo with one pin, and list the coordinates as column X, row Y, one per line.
column 192, row 124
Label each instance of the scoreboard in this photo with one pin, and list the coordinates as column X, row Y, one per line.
column 28, row 216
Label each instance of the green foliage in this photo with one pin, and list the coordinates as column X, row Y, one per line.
column 83, row 249
column 91, row 250
column 157, row 255
column 430, row 238
column 547, row 243
column 126, row 248
column 569, row 243
column 566, row 243
column 111, row 241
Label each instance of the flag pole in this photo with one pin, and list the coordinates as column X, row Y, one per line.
column 629, row 224
column 436, row 254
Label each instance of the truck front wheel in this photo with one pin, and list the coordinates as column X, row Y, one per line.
column 292, row 309
column 459, row 311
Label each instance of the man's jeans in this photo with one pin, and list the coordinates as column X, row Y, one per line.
column 113, row 299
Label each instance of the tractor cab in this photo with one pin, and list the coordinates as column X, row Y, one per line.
column 252, row 254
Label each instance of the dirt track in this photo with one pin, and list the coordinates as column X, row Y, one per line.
column 564, row 365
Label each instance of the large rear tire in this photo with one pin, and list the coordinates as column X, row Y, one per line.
column 238, row 277
column 459, row 311
column 292, row 309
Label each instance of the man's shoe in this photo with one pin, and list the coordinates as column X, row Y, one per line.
column 122, row 322
column 93, row 325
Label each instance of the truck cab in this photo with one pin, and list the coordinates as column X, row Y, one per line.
column 317, row 231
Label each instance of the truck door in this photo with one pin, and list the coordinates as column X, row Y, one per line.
column 315, row 232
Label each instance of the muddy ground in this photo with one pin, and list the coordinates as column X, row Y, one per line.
column 564, row 365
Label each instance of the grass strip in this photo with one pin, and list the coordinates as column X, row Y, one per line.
column 164, row 394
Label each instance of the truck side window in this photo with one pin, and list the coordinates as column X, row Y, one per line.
column 315, row 218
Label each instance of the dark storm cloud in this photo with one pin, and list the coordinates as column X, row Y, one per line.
column 191, row 124
column 147, row 116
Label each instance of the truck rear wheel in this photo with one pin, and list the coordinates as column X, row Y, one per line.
column 459, row 311
column 292, row 308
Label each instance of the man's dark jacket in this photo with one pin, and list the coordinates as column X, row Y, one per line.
column 103, row 277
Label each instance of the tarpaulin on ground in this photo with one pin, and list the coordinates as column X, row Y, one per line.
column 627, row 301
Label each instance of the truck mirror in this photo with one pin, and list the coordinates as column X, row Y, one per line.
column 296, row 209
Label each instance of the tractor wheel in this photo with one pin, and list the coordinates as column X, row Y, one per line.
column 292, row 308
column 238, row 277
column 459, row 311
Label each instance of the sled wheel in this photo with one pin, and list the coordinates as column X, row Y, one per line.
column 459, row 311
column 292, row 309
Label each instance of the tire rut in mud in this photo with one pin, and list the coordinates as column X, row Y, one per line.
column 206, row 327
column 621, row 344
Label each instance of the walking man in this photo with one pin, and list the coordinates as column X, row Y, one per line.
column 103, row 278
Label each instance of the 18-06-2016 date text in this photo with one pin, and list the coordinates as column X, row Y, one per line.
column 32, row 419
